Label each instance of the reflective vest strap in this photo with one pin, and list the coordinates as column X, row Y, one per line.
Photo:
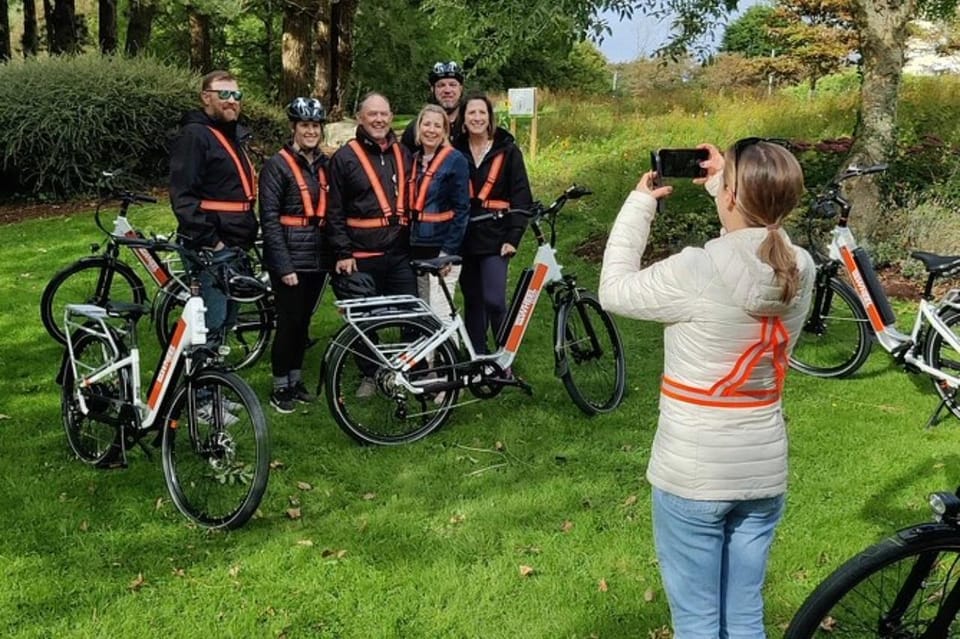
column 374, row 179
column 745, row 363
column 359, row 255
column 699, row 397
column 297, row 220
column 418, row 193
column 492, row 176
column 436, row 218
column 496, row 205
column 224, row 206
column 291, row 161
column 245, row 178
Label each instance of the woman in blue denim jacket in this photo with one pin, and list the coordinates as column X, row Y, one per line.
column 438, row 201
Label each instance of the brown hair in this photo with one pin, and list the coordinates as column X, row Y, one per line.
column 767, row 183
column 437, row 109
column 215, row 76
column 492, row 120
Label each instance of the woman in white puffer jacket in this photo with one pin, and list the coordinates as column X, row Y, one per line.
column 733, row 310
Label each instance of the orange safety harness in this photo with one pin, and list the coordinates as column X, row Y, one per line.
column 247, row 180
column 312, row 213
column 391, row 216
column 729, row 392
column 418, row 193
column 496, row 165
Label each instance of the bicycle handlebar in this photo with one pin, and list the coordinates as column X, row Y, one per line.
column 537, row 210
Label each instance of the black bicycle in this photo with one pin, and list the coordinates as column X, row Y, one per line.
column 905, row 587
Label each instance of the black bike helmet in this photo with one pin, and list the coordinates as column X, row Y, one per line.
column 445, row 70
column 306, row 110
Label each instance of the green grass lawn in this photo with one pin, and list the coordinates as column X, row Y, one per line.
column 431, row 539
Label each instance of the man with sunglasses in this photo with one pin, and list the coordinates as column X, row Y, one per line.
column 446, row 89
column 212, row 188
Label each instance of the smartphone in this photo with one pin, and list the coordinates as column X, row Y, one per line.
column 679, row 163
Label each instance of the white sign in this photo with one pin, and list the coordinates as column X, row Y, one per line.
column 523, row 102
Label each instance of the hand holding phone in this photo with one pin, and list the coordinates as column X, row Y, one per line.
column 679, row 163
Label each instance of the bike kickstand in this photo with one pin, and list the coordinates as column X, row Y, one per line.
column 935, row 418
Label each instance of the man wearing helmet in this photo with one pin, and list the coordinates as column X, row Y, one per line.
column 212, row 189
column 293, row 209
column 446, row 89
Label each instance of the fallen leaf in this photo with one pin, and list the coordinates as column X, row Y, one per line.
column 137, row 583
column 326, row 552
column 602, row 586
column 302, row 485
column 293, row 513
column 457, row 519
column 83, row 526
column 369, row 496
column 234, row 570
column 827, row 623
column 294, row 500
column 341, row 554
column 648, row 595
column 566, row 526
column 499, row 446
column 276, row 464
column 179, row 572
column 526, row 571
column 305, row 542
column 158, row 504
column 2, row 416
column 630, row 501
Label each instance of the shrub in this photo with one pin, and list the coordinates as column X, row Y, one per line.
column 66, row 119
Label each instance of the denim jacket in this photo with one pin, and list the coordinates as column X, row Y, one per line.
column 448, row 191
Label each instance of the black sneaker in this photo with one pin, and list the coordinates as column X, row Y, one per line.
column 300, row 393
column 282, row 400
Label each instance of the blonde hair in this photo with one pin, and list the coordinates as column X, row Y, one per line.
column 437, row 109
column 767, row 183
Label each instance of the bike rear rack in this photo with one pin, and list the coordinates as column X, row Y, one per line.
column 369, row 309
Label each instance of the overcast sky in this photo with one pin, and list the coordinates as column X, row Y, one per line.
column 641, row 36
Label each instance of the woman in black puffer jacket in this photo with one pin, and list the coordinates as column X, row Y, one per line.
column 293, row 207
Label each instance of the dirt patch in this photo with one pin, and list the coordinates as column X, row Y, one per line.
column 13, row 213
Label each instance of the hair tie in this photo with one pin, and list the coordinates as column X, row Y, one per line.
column 773, row 227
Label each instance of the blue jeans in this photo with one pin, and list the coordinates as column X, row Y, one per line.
column 221, row 313
column 713, row 559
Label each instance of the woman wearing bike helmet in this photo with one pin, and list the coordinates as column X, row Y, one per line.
column 293, row 207
column 733, row 310
column 498, row 183
column 439, row 203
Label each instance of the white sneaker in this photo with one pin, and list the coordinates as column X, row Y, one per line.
column 367, row 388
column 205, row 414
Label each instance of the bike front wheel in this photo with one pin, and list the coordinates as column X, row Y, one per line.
column 248, row 338
column 94, row 437
column 216, row 450
column 590, row 355
column 835, row 339
column 905, row 586
column 939, row 354
column 363, row 393
column 92, row 280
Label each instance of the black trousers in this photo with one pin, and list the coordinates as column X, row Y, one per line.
column 294, row 307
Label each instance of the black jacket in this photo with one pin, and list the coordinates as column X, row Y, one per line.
column 288, row 249
column 201, row 169
column 487, row 236
column 352, row 196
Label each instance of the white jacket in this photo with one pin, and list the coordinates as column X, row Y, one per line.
column 720, row 305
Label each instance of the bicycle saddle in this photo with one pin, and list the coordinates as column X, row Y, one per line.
column 434, row 265
column 937, row 264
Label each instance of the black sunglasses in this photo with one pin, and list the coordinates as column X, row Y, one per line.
column 740, row 145
column 226, row 94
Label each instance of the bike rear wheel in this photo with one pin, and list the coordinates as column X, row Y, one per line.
column 362, row 395
column 835, row 339
column 905, row 586
column 939, row 354
column 247, row 340
column 216, row 450
column 590, row 355
column 92, row 280
column 95, row 438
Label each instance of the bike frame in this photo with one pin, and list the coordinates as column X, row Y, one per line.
column 842, row 247
column 156, row 267
column 190, row 331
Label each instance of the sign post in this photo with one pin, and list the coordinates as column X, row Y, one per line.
column 523, row 104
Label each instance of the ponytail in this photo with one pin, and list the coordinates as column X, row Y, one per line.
column 777, row 253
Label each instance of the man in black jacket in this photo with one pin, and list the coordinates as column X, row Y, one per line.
column 446, row 89
column 367, row 221
column 212, row 190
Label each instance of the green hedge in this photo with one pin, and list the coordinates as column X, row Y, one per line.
column 66, row 119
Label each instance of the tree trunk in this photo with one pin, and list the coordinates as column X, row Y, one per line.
column 882, row 26
column 295, row 51
column 201, row 57
column 139, row 26
column 4, row 31
column 30, row 39
column 48, row 23
column 268, row 50
column 322, row 55
column 64, row 27
column 341, row 41
column 107, row 31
